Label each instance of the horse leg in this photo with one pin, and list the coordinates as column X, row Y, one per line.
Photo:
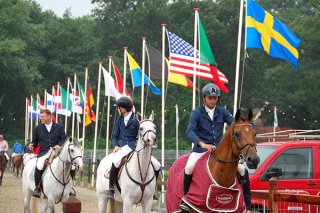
column 146, row 205
column 127, row 206
column 102, row 203
column 118, row 207
column 26, row 202
column 1, row 178
column 44, row 205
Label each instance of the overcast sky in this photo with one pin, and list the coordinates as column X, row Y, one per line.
column 78, row 7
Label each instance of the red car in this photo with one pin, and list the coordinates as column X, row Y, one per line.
column 298, row 164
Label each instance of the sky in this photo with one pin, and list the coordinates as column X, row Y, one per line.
column 78, row 7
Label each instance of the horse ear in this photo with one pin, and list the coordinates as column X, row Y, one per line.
column 151, row 116
column 250, row 115
column 237, row 115
column 139, row 117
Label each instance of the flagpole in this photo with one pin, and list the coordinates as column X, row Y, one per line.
column 235, row 101
column 162, row 96
column 195, row 56
column 67, row 107
column 108, row 111
column 143, row 72
column 56, row 106
column 31, row 130
column 45, row 98
column 37, row 115
column 84, row 110
column 96, row 126
column 73, row 102
column 177, row 131
column 26, row 123
column 124, row 69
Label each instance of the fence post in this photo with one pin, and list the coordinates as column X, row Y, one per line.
column 273, row 185
column 71, row 205
column 89, row 171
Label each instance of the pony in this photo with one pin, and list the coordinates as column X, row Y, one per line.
column 136, row 178
column 3, row 165
column 56, row 179
column 17, row 163
column 218, row 168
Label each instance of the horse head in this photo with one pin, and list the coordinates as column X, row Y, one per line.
column 244, row 139
column 75, row 153
column 147, row 131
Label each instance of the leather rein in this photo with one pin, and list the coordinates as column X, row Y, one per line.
column 241, row 155
column 64, row 182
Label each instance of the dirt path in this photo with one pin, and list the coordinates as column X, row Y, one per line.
column 11, row 198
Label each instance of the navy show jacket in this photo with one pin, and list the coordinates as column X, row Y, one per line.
column 202, row 128
column 126, row 135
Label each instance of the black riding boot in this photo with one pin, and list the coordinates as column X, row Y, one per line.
column 112, row 181
column 156, row 174
column 186, row 185
column 37, row 179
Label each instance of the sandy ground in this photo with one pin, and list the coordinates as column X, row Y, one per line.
column 11, row 198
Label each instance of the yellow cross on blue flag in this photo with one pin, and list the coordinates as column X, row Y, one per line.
column 267, row 33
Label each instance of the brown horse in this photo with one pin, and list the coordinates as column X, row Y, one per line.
column 237, row 144
column 17, row 163
column 3, row 165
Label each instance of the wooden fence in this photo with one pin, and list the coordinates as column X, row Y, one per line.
column 273, row 196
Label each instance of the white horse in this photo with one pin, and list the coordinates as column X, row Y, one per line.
column 137, row 178
column 56, row 179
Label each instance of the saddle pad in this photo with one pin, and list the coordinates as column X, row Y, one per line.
column 223, row 199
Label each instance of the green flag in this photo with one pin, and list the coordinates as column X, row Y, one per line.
column 206, row 56
column 64, row 98
column 81, row 92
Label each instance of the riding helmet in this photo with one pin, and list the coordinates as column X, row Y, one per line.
column 124, row 102
column 210, row 90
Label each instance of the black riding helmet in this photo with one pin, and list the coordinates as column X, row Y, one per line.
column 124, row 102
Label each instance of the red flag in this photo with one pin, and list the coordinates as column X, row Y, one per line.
column 90, row 115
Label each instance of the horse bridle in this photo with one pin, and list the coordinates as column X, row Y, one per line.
column 142, row 135
column 241, row 155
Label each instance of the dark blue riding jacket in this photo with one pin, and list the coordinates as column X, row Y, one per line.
column 202, row 128
column 45, row 139
column 126, row 135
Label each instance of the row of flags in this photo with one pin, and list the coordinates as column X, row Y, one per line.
column 263, row 31
column 64, row 103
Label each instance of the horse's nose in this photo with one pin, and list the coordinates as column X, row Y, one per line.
column 252, row 161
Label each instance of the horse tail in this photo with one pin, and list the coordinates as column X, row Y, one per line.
column 35, row 205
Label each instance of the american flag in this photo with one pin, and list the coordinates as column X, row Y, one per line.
column 182, row 60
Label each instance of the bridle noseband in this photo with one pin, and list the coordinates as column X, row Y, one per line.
column 234, row 140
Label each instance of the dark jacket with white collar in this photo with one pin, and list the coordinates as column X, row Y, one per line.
column 202, row 128
column 45, row 139
column 126, row 135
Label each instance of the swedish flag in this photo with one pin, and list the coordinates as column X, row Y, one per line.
column 267, row 33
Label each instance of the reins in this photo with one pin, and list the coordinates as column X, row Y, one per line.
column 64, row 163
column 234, row 140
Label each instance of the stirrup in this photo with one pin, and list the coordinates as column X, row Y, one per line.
column 110, row 194
column 36, row 193
column 184, row 207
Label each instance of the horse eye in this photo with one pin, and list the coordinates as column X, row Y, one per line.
column 140, row 128
column 237, row 134
column 71, row 150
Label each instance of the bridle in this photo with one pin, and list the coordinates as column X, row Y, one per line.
column 239, row 148
column 64, row 163
column 145, row 143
